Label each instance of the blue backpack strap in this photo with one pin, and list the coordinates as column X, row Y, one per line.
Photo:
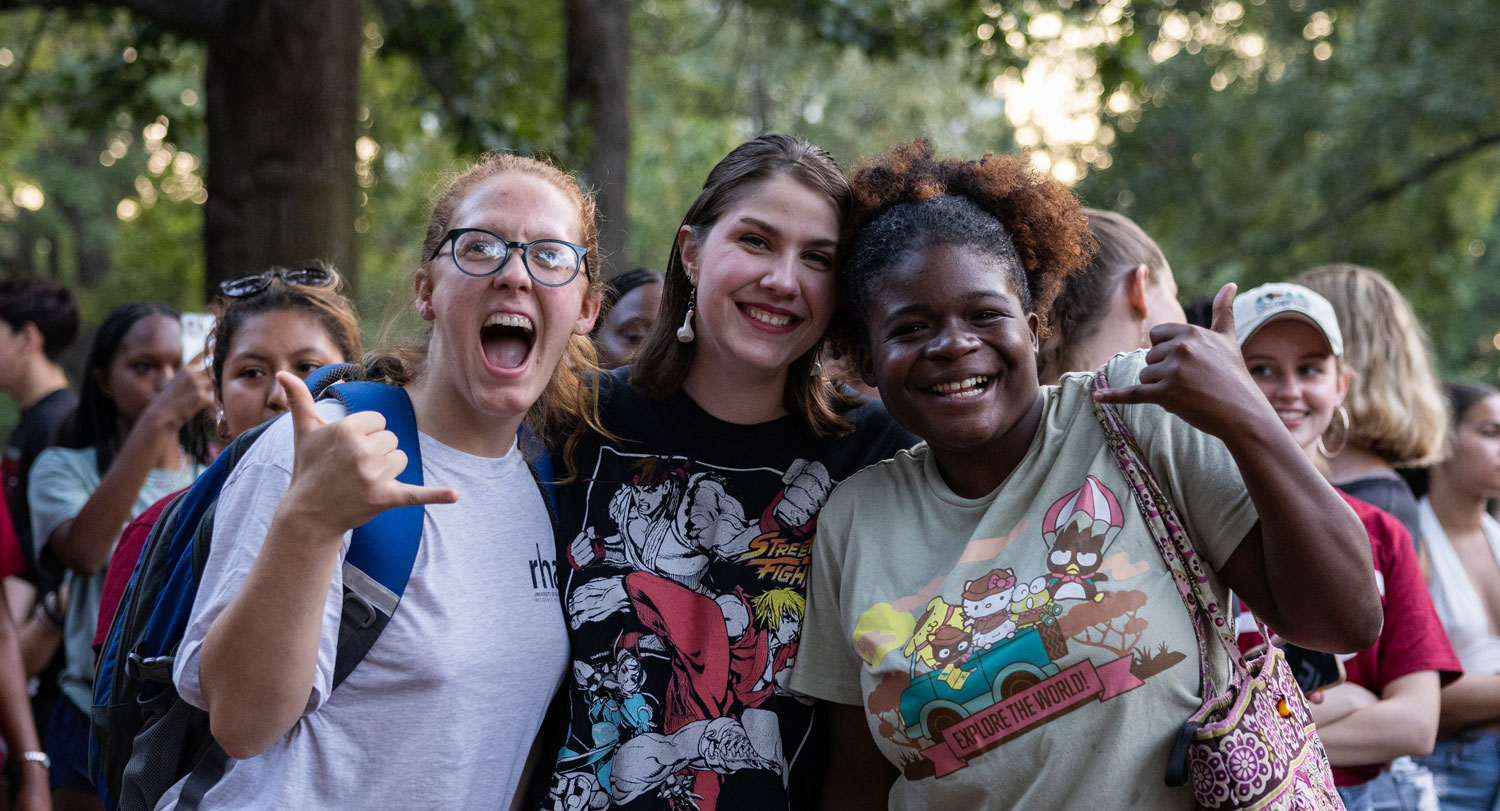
column 540, row 463
column 382, row 551
column 325, row 376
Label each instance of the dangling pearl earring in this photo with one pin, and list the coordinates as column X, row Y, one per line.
column 685, row 332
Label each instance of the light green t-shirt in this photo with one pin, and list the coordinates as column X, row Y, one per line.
column 1026, row 649
column 61, row 482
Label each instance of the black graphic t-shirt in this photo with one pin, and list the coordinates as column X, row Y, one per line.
column 683, row 549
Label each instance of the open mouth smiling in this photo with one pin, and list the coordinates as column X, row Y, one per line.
column 506, row 339
column 779, row 320
column 972, row 386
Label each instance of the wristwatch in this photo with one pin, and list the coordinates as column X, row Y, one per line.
column 37, row 756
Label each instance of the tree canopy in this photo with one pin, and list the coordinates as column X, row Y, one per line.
column 1252, row 139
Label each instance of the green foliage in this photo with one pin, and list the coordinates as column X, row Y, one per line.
column 1362, row 132
column 1252, row 138
column 118, row 219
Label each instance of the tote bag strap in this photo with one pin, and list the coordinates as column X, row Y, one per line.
column 1171, row 539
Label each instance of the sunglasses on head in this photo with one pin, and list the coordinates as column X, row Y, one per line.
column 257, row 283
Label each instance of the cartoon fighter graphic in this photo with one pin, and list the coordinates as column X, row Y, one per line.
column 675, row 524
column 719, row 670
column 617, row 708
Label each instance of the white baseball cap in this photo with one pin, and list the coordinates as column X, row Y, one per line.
column 1255, row 308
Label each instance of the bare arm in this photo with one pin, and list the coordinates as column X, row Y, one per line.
column 39, row 637
column 1305, row 566
column 858, row 776
column 1471, row 700
column 16, row 725
column 84, row 543
column 1403, row 722
column 259, row 656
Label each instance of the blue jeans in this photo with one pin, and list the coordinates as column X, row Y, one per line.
column 1466, row 770
column 67, row 742
column 1405, row 786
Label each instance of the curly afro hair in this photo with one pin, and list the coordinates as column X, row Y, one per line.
column 910, row 201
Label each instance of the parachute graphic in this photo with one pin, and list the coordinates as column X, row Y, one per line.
column 1092, row 508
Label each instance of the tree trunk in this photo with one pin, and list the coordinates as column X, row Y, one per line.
column 282, row 93
column 597, row 104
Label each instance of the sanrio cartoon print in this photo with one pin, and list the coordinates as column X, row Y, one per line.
column 1003, row 645
column 1078, row 527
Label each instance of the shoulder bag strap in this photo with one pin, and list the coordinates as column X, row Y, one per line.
column 1171, row 539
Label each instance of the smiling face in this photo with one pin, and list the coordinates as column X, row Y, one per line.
column 764, row 275
column 496, row 340
column 148, row 357
column 1475, row 460
column 953, row 351
column 1291, row 362
column 271, row 342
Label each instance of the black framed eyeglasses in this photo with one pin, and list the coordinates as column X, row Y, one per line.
column 257, row 283
column 549, row 262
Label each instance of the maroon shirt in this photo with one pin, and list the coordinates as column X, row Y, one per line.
column 122, row 565
column 1411, row 637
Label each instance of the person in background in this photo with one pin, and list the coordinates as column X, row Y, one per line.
column 38, row 323
column 23, row 769
column 1111, row 305
column 1394, row 414
column 284, row 320
column 1387, row 708
column 443, row 710
column 1462, row 543
column 689, row 520
column 631, row 302
column 134, row 438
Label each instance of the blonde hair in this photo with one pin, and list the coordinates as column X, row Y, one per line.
column 571, row 400
column 1395, row 403
column 771, row 606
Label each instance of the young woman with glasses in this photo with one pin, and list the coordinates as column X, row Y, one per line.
column 282, row 321
column 442, row 710
column 687, row 522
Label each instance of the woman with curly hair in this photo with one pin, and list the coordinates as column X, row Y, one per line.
column 959, row 590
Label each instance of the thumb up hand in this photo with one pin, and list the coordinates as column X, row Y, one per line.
column 1198, row 374
column 348, row 468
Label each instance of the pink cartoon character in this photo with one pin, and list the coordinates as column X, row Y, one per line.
column 1077, row 528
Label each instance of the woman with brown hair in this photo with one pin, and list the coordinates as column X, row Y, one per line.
column 689, row 525
column 1463, row 544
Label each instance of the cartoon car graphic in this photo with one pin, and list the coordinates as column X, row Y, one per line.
column 931, row 705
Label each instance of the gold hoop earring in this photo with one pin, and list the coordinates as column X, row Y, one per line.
column 1343, row 415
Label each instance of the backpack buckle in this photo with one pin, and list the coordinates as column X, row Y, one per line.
column 353, row 617
column 149, row 668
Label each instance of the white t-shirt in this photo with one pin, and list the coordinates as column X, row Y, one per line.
column 442, row 711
